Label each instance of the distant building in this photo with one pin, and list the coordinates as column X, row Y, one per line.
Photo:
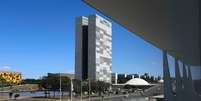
column 161, row 81
column 130, row 76
column 119, row 78
column 93, row 55
column 122, row 78
column 62, row 75
column 114, row 78
column 132, row 84
column 11, row 77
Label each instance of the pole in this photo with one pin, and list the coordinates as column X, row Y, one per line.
column 60, row 84
column 1, row 86
column 89, row 90
column 81, row 89
column 71, row 89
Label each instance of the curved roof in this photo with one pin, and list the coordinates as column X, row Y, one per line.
column 137, row 82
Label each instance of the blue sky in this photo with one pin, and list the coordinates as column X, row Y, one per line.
column 37, row 37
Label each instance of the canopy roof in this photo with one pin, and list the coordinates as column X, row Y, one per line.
column 137, row 82
column 171, row 25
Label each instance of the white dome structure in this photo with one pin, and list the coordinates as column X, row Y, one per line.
column 137, row 82
column 161, row 81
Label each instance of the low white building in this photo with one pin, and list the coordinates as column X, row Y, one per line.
column 137, row 82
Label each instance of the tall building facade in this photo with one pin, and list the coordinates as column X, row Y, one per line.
column 93, row 53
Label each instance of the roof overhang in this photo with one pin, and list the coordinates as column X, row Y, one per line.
column 171, row 25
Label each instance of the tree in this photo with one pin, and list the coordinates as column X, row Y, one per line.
column 31, row 81
column 102, row 87
column 147, row 78
column 77, row 86
column 136, row 76
column 142, row 77
column 46, row 83
column 146, row 75
column 49, row 83
column 159, row 78
column 152, row 79
column 2, row 81
column 65, row 84
column 52, row 83
column 96, row 86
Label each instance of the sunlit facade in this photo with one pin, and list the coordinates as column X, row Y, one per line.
column 93, row 55
column 11, row 77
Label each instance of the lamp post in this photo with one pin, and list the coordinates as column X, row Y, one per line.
column 71, row 89
column 89, row 88
column 60, row 84
column 1, row 86
column 81, row 90
column 1, row 80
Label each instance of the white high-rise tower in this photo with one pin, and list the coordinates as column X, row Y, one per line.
column 93, row 56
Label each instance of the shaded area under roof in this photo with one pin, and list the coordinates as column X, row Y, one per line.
column 171, row 25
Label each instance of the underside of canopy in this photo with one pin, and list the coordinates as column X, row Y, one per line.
column 171, row 25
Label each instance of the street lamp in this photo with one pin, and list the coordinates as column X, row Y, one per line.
column 71, row 89
column 60, row 84
column 89, row 88
column 81, row 89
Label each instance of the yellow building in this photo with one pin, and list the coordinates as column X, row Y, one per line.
column 11, row 77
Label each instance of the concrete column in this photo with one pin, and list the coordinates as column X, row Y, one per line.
column 178, row 81
column 184, row 86
column 190, row 86
column 184, row 75
column 189, row 74
column 190, row 81
column 167, row 81
column 116, row 78
column 186, row 95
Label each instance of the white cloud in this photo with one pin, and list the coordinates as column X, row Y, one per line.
column 5, row 67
